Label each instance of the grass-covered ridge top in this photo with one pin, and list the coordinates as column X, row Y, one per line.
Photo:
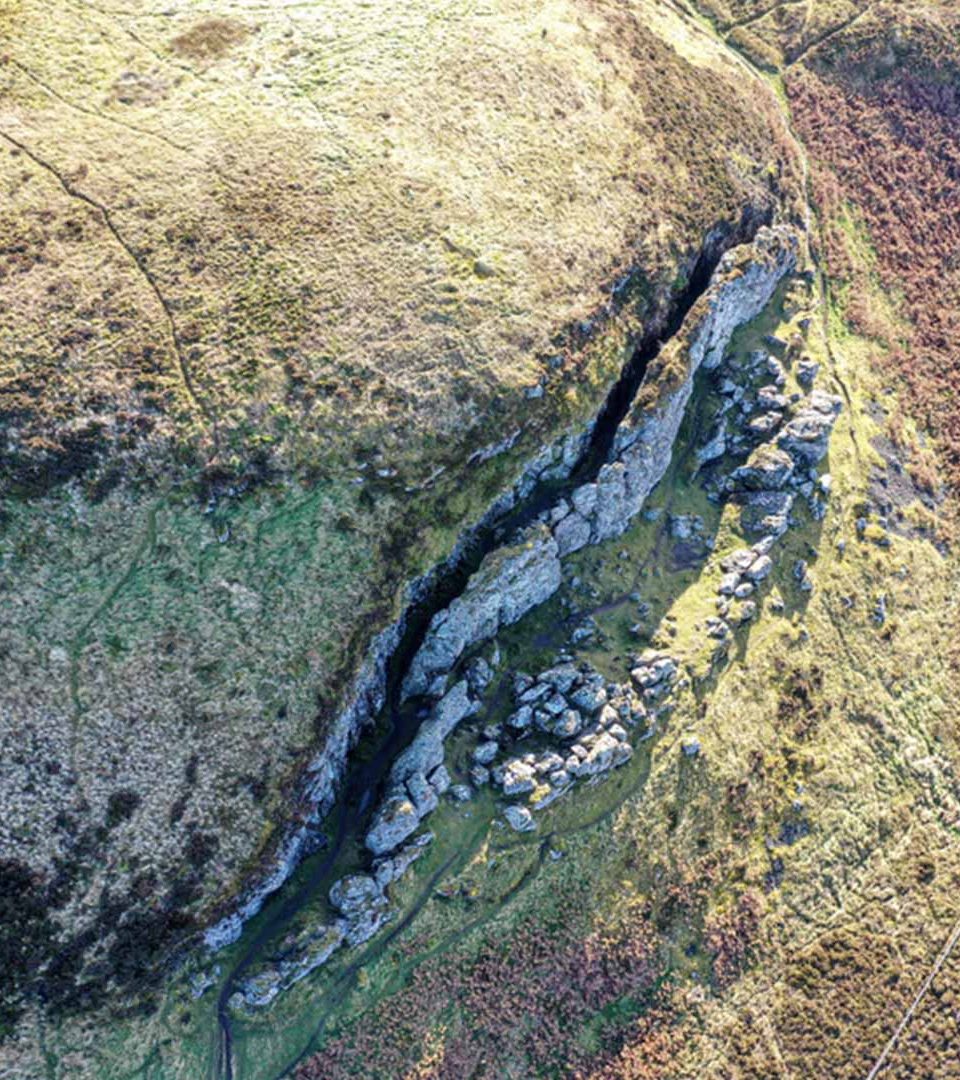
column 268, row 235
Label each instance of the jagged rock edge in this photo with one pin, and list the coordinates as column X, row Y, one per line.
column 370, row 686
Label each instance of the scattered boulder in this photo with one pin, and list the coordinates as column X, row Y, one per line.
column 388, row 870
column 521, row 719
column 440, row 779
column 572, row 533
column 728, row 583
column 479, row 675
column 770, row 399
column 690, row 746
column 715, row 447
column 807, row 371
column 590, row 697
column 765, row 511
column 485, row 752
column 605, row 753
column 764, row 424
column 807, row 436
column 519, row 819
column 760, row 569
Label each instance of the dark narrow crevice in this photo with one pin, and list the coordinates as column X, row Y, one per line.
column 368, row 773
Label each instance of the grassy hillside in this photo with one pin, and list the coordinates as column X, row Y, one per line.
column 270, row 276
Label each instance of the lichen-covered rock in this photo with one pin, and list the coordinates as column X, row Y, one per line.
column 517, row 778
column 519, row 818
column 806, row 437
column 605, row 753
column 767, row 469
column 765, row 511
column 395, row 820
column 509, row 582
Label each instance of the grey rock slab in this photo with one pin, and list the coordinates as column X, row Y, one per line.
column 395, row 820
column 519, row 819
column 509, row 582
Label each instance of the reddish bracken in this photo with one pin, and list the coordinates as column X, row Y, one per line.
column 515, row 1005
column 891, row 147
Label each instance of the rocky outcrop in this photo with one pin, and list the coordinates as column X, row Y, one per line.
column 741, row 287
column 418, row 778
column 509, row 582
column 514, row 579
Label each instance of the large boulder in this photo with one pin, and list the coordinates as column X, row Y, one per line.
column 425, row 753
column 396, row 819
column 807, row 436
column 767, row 469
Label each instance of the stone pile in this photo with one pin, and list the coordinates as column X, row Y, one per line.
column 785, row 436
column 586, row 721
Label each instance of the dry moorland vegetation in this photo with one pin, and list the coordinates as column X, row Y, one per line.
column 266, row 273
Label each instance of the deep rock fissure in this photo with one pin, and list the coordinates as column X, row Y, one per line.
column 392, row 652
column 609, row 449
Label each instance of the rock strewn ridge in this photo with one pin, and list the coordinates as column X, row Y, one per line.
column 504, row 588
column 512, row 581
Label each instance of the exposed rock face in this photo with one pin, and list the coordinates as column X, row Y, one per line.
column 507, row 585
column 514, row 579
column 741, row 287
